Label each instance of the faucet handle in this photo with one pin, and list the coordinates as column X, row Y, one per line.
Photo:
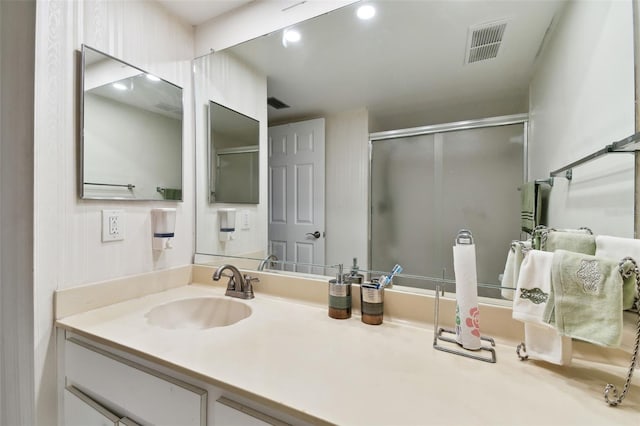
column 231, row 284
column 248, row 279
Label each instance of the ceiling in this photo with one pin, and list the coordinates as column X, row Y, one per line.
column 410, row 56
column 138, row 88
column 195, row 12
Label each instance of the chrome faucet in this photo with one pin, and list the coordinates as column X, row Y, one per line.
column 238, row 286
column 269, row 259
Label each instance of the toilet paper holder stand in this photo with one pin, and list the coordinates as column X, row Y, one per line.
column 441, row 333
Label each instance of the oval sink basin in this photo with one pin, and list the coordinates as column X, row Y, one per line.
column 198, row 313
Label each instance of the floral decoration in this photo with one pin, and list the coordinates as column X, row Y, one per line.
column 473, row 321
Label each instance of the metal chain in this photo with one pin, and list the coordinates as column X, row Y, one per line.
column 626, row 273
column 610, row 388
column 521, row 351
column 544, row 234
column 586, row 228
column 538, row 231
column 516, row 243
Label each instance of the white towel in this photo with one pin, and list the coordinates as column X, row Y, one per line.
column 545, row 344
column 532, row 293
column 512, row 268
column 507, row 275
column 533, row 287
column 467, row 313
column 617, row 248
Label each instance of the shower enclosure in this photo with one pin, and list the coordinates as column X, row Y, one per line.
column 428, row 183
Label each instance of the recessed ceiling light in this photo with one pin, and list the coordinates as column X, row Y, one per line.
column 152, row 77
column 291, row 36
column 366, row 11
column 119, row 86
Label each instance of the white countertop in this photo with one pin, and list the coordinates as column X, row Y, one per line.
column 349, row 373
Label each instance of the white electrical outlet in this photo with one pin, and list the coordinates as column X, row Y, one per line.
column 112, row 225
column 244, row 219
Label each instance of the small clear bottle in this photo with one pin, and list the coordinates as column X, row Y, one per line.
column 339, row 296
column 354, row 276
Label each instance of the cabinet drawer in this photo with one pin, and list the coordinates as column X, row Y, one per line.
column 231, row 413
column 80, row 410
column 133, row 390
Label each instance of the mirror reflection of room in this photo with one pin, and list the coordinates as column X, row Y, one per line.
column 364, row 101
column 234, row 156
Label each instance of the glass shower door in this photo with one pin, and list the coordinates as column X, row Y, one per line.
column 468, row 179
column 403, row 219
column 481, row 172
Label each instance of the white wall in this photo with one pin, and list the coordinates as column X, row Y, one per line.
column 225, row 80
column 105, row 71
column 130, row 145
column 347, row 187
column 449, row 111
column 68, row 250
column 17, row 40
column 581, row 99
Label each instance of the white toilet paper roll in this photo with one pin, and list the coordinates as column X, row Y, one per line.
column 467, row 314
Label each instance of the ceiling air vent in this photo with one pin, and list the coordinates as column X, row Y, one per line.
column 276, row 103
column 484, row 41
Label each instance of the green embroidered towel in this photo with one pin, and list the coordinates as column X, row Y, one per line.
column 617, row 248
column 578, row 242
column 530, row 206
column 586, row 298
column 172, row 194
column 629, row 289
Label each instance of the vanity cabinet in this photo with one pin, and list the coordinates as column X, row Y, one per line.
column 81, row 410
column 103, row 386
column 228, row 412
column 128, row 389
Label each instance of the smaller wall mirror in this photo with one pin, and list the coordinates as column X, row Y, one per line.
column 131, row 139
column 233, row 159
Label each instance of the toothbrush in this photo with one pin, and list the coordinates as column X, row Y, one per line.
column 386, row 280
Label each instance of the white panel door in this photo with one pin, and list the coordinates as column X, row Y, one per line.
column 296, row 193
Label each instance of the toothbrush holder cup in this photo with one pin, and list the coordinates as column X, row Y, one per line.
column 372, row 303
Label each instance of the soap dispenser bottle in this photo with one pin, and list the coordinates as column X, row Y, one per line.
column 354, row 276
column 163, row 222
column 339, row 297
